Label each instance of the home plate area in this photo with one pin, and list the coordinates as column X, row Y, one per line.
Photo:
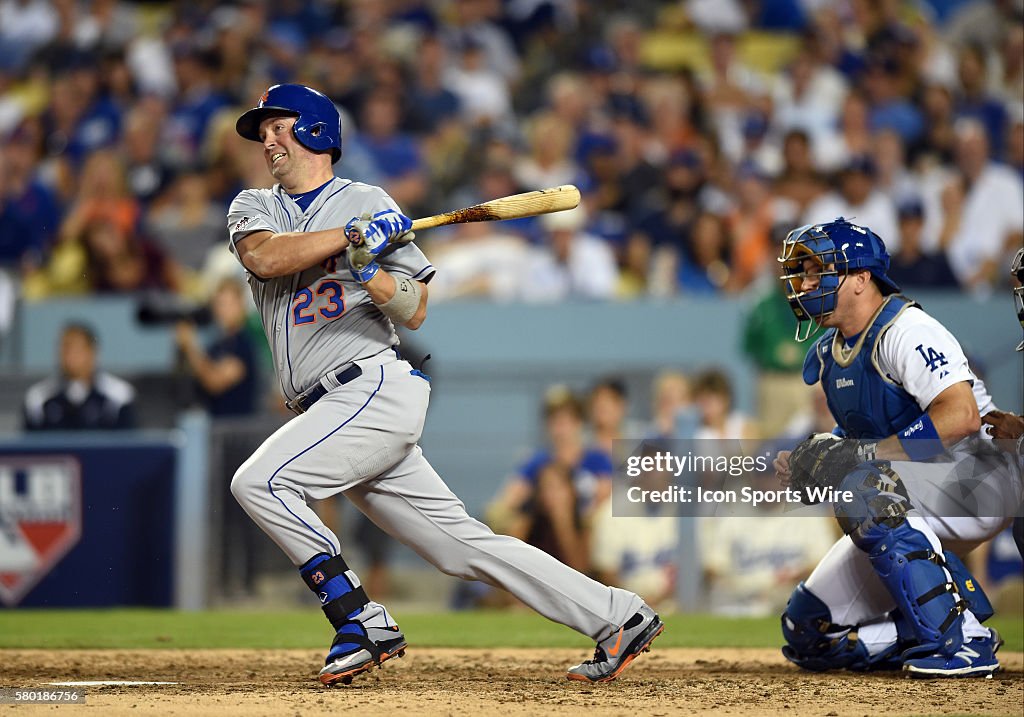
column 513, row 681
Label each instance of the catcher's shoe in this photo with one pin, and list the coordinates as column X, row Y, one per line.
column 376, row 640
column 975, row 658
column 614, row 653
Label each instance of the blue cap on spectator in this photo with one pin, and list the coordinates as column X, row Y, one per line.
column 910, row 207
column 685, row 157
column 628, row 106
column 592, row 143
column 66, row 60
column 860, row 163
column 601, row 59
column 755, row 125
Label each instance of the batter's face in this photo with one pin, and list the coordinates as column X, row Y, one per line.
column 287, row 160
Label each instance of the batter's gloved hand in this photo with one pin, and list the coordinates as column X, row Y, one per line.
column 377, row 231
column 361, row 263
column 823, row 460
column 368, row 236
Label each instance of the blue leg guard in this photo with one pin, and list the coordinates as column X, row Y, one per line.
column 342, row 598
column 903, row 557
column 968, row 587
column 815, row 643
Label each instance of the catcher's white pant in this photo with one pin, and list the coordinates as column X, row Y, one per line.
column 844, row 579
column 361, row 439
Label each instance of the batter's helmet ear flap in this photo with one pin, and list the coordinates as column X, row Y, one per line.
column 317, row 121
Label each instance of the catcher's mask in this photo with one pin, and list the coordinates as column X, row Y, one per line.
column 828, row 252
column 1017, row 270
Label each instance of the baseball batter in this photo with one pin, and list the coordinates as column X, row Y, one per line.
column 330, row 285
column 908, row 448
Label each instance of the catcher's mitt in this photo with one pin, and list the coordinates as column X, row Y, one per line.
column 823, row 460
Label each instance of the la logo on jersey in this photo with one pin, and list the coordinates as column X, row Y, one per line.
column 933, row 359
column 40, row 519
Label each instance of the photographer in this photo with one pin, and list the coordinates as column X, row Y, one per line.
column 225, row 373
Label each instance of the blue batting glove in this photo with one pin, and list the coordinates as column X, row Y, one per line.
column 374, row 233
column 361, row 265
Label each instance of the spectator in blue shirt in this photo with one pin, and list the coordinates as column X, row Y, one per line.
column 197, row 103
column 552, row 498
column 975, row 101
column 703, row 267
column 78, row 120
column 395, row 153
column 912, row 265
column 29, row 211
column 431, row 103
column 889, row 109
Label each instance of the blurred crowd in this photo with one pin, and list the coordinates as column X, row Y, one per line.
column 560, row 498
column 699, row 132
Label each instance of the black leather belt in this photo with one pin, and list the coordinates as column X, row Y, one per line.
column 303, row 402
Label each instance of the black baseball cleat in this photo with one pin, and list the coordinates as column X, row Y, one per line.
column 614, row 653
column 353, row 654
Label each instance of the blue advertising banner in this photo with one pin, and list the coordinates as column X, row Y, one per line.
column 87, row 525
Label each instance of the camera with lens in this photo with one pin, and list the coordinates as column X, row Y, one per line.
column 163, row 309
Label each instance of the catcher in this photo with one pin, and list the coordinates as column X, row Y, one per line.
column 908, row 447
column 1008, row 428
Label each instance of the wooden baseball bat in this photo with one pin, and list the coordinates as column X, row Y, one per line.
column 528, row 204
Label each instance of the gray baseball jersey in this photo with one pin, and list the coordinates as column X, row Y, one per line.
column 361, row 438
column 320, row 318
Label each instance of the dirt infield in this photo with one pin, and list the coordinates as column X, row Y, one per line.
column 506, row 682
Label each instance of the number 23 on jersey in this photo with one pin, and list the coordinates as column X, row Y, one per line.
column 325, row 300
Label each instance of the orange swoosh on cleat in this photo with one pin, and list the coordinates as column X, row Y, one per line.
column 613, row 651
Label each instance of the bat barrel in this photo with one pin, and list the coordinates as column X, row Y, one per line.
column 528, row 204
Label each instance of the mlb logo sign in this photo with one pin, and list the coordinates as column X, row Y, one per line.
column 40, row 519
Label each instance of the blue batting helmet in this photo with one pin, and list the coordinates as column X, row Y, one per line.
column 837, row 248
column 317, row 124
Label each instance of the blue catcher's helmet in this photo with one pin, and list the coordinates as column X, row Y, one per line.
column 837, row 248
column 317, row 124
